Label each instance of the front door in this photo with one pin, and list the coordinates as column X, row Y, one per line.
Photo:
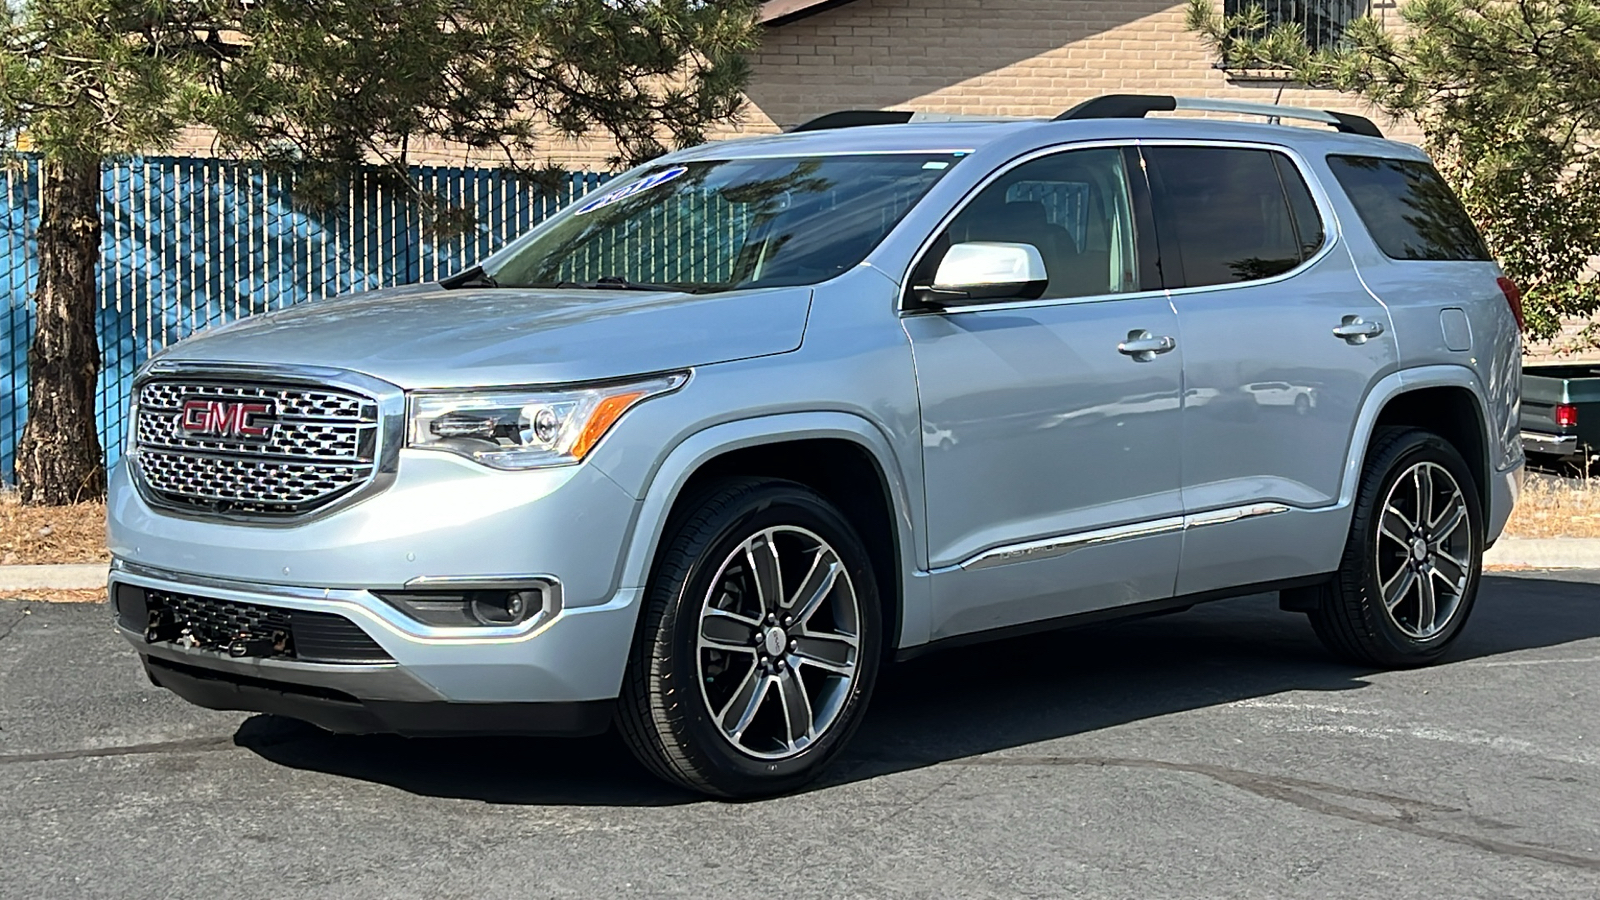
column 1051, row 447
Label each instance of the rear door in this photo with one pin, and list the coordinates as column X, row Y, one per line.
column 1281, row 343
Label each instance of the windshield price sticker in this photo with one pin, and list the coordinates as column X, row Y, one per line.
column 626, row 191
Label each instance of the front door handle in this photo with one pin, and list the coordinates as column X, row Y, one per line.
column 1143, row 346
column 1356, row 330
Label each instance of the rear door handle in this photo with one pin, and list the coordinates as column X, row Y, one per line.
column 1356, row 330
column 1143, row 346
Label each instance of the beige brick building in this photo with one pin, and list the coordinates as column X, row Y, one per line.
column 1008, row 57
column 995, row 57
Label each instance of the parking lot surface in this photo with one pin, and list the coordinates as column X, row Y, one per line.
column 1212, row 753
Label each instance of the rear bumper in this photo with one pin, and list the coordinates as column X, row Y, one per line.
column 1549, row 444
column 1504, row 489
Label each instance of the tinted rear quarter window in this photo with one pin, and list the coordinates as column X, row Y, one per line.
column 1231, row 214
column 1409, row 210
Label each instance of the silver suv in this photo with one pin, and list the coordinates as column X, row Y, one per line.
column 699, row 454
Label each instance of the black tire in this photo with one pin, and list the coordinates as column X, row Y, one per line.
column 664, row 712
column 1349, row 614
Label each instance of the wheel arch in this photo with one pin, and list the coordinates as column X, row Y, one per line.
column 1447, row 400
column 836, row 454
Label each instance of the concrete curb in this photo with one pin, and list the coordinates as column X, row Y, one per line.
column 1545, row 553
column 52, row 578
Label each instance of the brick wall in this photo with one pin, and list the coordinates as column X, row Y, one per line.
column 1008, row 57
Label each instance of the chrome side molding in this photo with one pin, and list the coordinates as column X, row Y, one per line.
column 1060, row 545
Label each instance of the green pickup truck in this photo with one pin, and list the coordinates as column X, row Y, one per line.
column 1561, row 409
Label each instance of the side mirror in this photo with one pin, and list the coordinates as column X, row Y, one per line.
column 983, row 272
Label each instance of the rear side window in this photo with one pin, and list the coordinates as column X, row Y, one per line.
column 1229, row 214
column 1409, row 210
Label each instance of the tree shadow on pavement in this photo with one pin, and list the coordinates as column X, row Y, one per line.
column 963, row 702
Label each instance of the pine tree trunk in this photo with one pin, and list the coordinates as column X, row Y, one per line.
column 59, row 459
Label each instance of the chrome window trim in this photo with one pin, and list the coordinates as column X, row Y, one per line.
column 390, row 400
column 1062, row 544
column 360, row 605
column 1332, row 231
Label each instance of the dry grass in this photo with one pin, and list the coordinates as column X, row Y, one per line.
column 33, row 535
column 91, row 595
column 1552, row 507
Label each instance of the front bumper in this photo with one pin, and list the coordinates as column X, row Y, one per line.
column 345, row 713
column 570, row 657
column 441, row 522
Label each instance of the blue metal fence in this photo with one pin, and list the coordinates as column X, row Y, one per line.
column 193, row 242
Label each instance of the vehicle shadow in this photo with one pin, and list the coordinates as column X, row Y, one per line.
column 963, row 702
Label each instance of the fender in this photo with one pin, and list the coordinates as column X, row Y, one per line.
column 694, row 451
column 1386, row 389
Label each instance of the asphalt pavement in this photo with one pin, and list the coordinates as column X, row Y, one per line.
column 1212, row 753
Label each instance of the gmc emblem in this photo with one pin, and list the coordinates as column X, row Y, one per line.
column 221, row 418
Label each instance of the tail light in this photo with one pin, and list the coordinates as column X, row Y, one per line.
column 1513, row 297
column 1567, row 415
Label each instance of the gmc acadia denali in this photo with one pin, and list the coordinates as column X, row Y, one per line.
column 698, row 454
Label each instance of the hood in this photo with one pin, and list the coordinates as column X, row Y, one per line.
column 426, row 336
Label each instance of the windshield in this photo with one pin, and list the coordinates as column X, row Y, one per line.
column 725, row 224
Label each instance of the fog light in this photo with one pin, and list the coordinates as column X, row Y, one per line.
column 495, row 607
column 501, row 607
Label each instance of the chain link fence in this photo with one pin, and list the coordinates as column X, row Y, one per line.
column 195, row 242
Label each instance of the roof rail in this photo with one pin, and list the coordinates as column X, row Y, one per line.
column 1135, row 106
column 853, row 118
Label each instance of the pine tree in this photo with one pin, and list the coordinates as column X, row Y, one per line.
column 323, row 86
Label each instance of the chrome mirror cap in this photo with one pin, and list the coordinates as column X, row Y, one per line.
column 986, row 271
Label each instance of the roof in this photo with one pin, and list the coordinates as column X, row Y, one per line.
column 782, row 12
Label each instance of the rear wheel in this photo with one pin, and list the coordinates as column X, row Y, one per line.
column 1409, row 575
column 759, row 642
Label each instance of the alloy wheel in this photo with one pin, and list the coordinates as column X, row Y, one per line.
column 778, row 642
column 1424, row 550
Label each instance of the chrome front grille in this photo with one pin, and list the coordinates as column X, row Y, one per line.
column 252, row 449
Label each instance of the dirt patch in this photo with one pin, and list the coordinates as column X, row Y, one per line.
column 34, row 535
column 91, row 595
column 1552, row 506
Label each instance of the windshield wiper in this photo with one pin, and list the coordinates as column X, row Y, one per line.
column 617, row 282
column 473, row 277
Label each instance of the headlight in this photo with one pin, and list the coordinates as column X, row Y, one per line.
column 526, row 429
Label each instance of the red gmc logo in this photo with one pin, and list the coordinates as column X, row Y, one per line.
column 220, row 418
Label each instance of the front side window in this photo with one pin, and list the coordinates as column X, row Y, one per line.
column 1075, row 207
column 725, row 224
column 1231, row 214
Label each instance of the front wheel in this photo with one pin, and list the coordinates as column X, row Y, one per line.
column 1410, row 570
column 759, row 641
